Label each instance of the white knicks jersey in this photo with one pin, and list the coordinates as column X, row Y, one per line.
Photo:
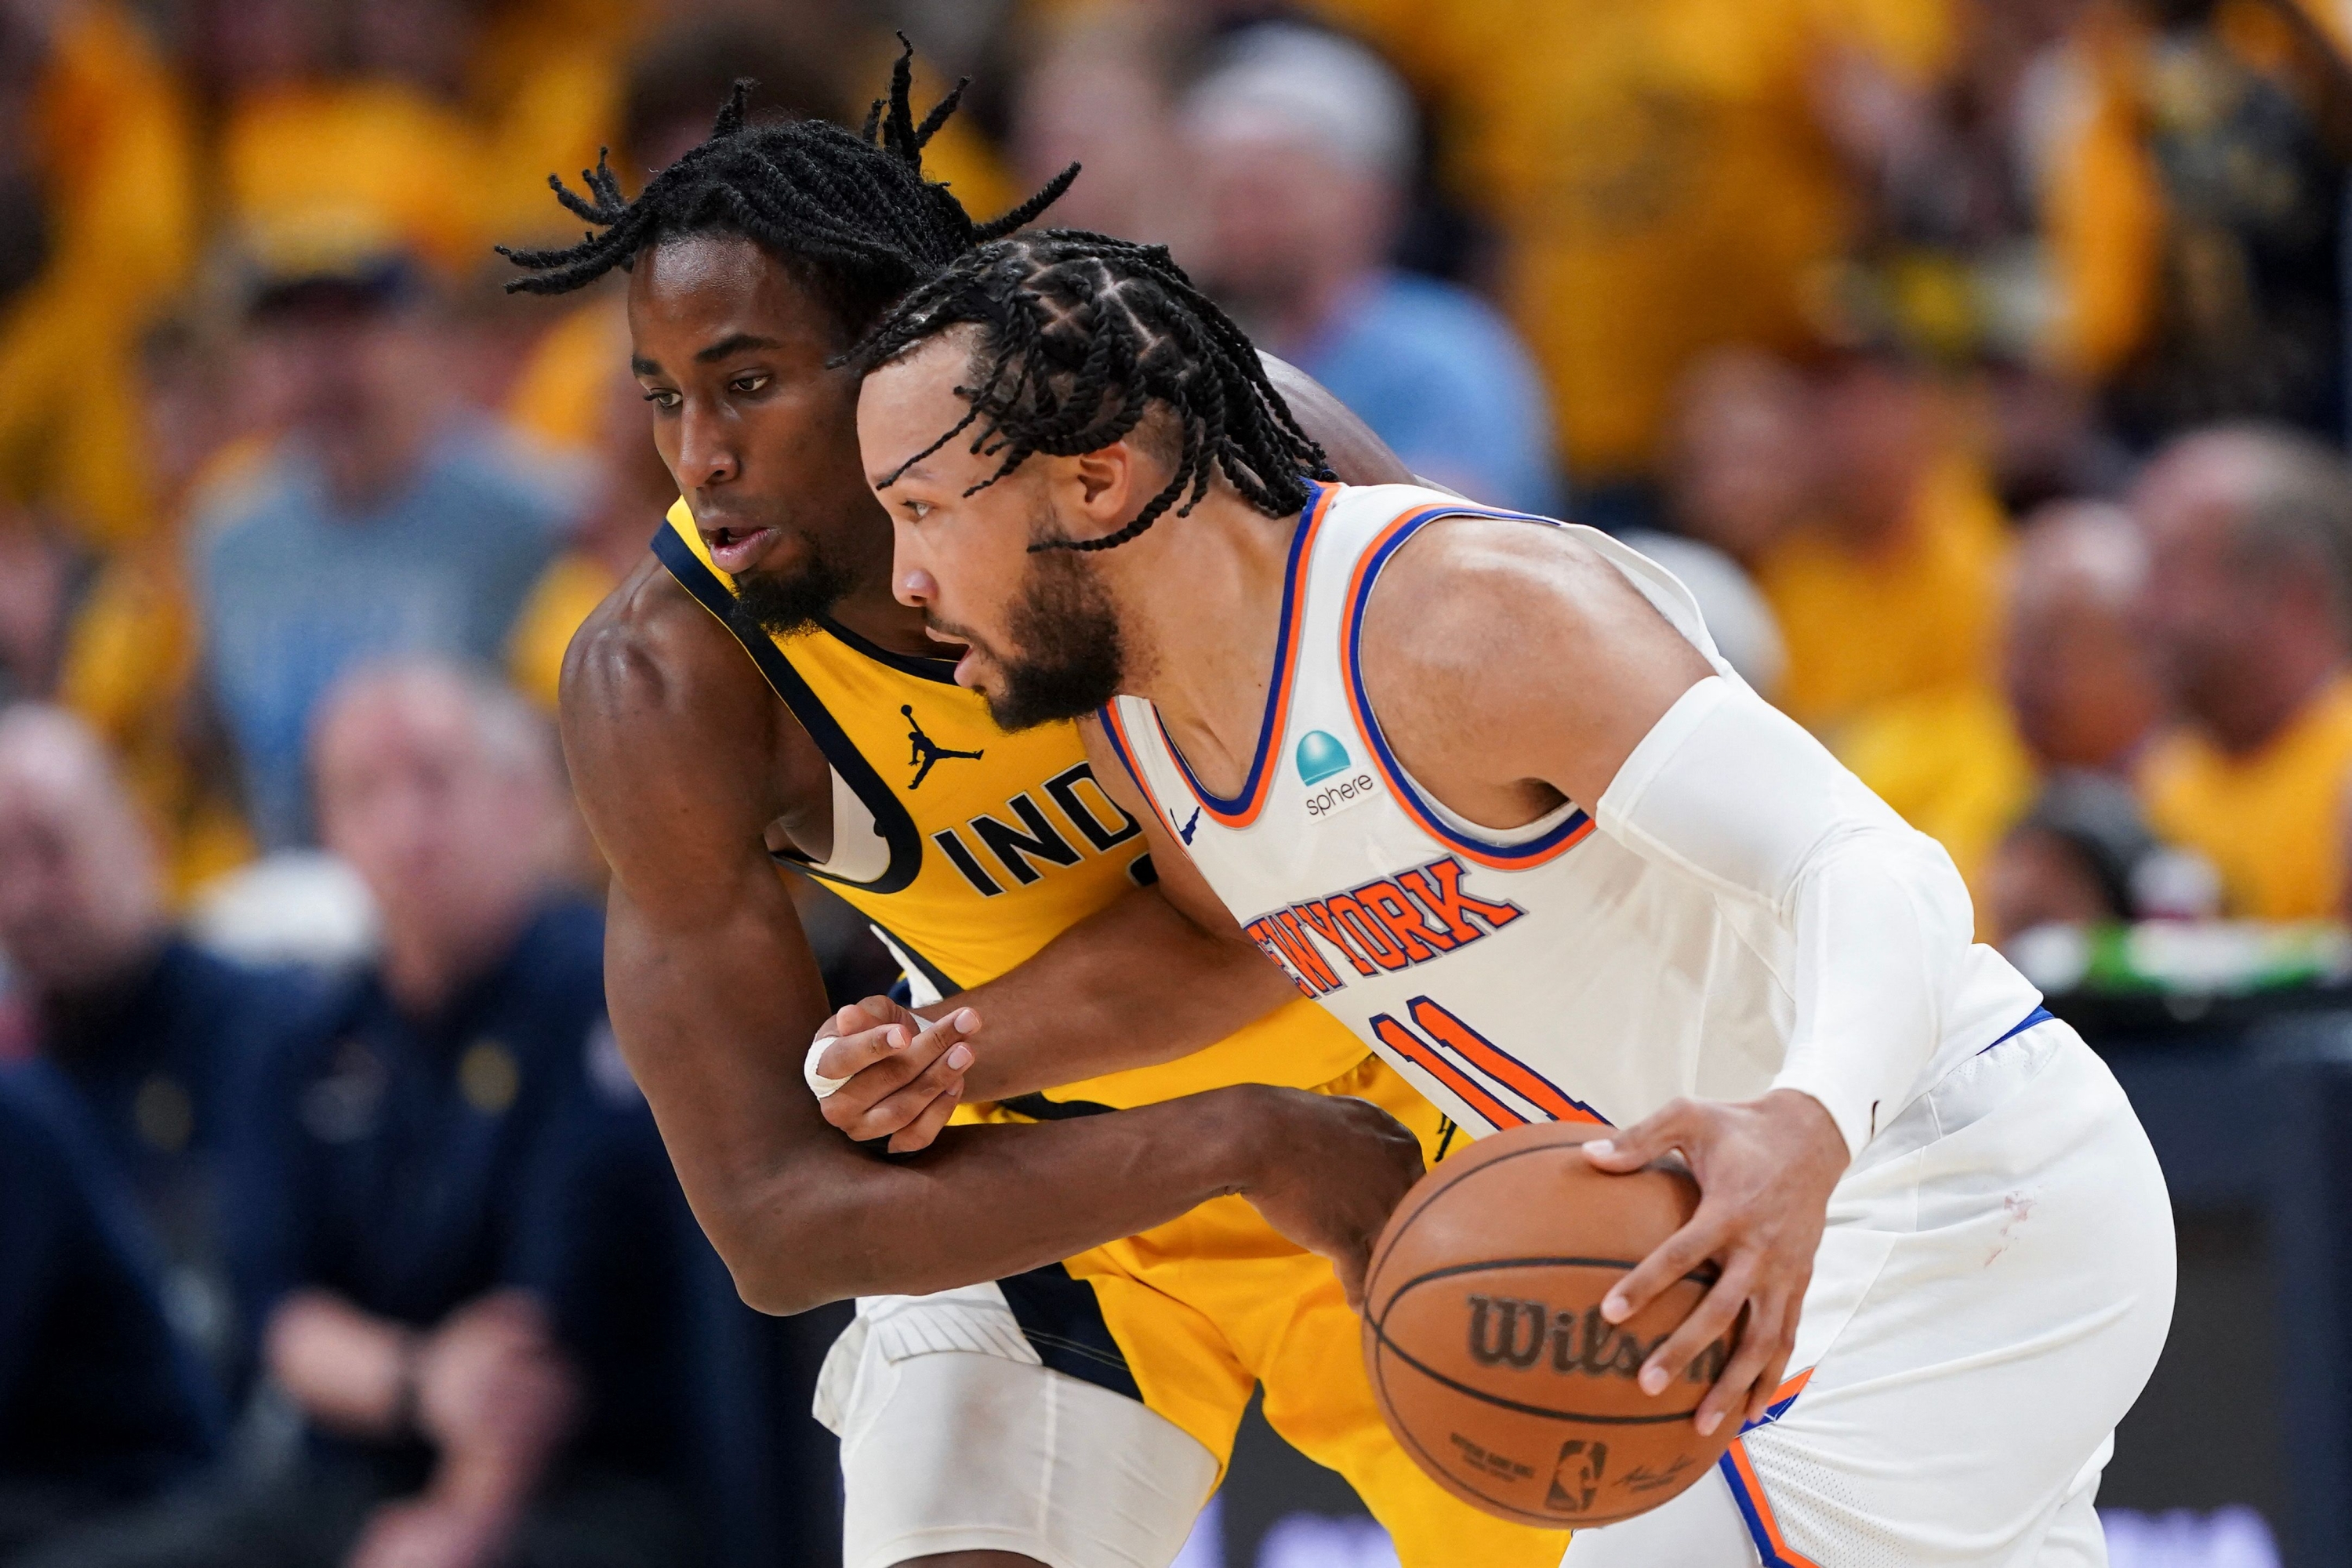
column 1543, row 973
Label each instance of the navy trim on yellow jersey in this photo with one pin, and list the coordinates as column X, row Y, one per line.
column 940, row 669
column 1062, row 1319
column 930, row 972
column 1038, row 1107
column 890, row 815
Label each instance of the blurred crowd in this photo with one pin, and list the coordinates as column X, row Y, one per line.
column 1981, row 365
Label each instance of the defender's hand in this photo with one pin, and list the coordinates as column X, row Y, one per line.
column 1327, row 1170
column 1765, row 1169
column 906, row 1077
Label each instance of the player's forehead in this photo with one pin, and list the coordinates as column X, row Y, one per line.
column 909, row 401
column 691, row 292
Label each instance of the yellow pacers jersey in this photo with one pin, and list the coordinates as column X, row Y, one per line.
column 971, row 848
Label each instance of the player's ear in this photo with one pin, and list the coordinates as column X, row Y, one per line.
column 1103, row 480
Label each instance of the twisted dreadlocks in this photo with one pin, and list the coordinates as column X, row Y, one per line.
column 1081, row 336
column 852, row 213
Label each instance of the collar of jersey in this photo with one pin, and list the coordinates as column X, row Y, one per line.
column 940, row 669
column 1241, row 810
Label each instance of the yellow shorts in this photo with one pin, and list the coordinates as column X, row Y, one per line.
column 1208, row 1305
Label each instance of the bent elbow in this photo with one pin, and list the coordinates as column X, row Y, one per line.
column 780, row 1270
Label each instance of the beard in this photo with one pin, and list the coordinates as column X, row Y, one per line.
column 785, row 604
column 1071, row 656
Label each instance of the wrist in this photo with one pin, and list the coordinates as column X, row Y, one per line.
column 1250, row 1124
column 1808, row 1115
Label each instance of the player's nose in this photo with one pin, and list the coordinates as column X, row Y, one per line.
column 915, row 586
column 704, row 455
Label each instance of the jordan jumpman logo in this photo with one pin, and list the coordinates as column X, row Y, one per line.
column 928, row 753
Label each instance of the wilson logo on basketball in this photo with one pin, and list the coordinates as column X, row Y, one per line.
column 1510, row 1332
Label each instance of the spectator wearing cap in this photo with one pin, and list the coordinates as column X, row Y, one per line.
column 383, row 522
column 1304, row 144
column 482, row 1366
column 151, row 1030
column 100, row 1403
column 2250, row 602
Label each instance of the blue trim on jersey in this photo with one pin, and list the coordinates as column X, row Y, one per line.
column 1572, row 824
column 2039, row 1016
column 1757, row 1529
column 1106, row 720
column 1284, row 648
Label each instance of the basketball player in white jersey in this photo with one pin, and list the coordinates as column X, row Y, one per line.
column 1480, row 784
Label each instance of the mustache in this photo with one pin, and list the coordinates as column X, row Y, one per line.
column 939, row 630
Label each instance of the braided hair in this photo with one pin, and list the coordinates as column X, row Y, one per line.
column 1081, row 337
column 852, row 215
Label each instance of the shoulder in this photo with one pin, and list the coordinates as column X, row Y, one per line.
column 1483, row 589
column 681, row 755
column 650, row 659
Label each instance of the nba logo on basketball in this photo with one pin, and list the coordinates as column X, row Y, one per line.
column 1576, row 1476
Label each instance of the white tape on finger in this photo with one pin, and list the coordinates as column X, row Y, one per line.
column 820, row 1085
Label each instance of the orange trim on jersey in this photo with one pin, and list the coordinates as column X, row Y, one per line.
column 1500, row 1065
column 1266, row 764
column 1495, row 856
column 1131, row 759
column 1776, row 1550
column 1747, row 1488
column 1418, row 1051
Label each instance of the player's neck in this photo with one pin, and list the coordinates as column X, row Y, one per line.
column 1202, row 614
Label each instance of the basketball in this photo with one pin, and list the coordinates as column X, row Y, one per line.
column 1484, row 1337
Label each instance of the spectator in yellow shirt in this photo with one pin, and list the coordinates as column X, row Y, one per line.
column 131, row 655
column 2250, row 600
column 96, row 141
column 1891, row 588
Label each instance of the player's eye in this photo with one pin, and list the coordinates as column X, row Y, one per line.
column 662, row 397
column 747, row 384
column 916, row 510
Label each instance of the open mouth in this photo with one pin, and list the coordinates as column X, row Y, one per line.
column 733, row 549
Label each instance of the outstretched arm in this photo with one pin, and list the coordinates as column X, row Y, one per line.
column 675, row 749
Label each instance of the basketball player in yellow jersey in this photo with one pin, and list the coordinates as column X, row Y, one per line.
column 1062, row 1310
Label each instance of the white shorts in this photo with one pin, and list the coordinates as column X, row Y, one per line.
column 1991, row 1297
column 955, row 1438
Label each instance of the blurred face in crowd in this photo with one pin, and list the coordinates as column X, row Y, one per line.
column 356, row 379
column 1098, row 96
column 758, row 430
column 426, row 42
column 2081, row 677
column 2241, row 633
column 1743, row 452
column 1287, row 227
column 80, row 899
column 443, row 798
column 1878, row 433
